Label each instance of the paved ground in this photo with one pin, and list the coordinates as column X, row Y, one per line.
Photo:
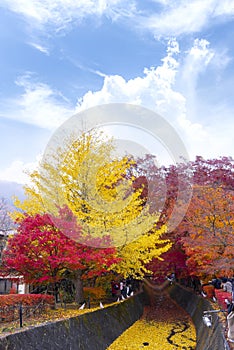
column 163, row 309
column 161, row 302
column 221, row 296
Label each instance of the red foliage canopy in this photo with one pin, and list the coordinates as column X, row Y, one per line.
column 40, row 252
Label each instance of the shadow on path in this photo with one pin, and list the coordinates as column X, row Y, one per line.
column 163, row 309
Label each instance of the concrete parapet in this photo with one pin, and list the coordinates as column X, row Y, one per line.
column 91, row 331
column 208, row 338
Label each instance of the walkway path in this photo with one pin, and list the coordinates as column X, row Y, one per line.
column 163, row 326
column 182, row 332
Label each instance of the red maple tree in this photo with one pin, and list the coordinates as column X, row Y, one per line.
column 42, row 253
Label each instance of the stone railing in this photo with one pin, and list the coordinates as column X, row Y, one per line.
column 97, row 330
column 208, row 338
column 91, row 331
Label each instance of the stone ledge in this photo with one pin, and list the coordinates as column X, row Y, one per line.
column 91, row 331
column 207, row 338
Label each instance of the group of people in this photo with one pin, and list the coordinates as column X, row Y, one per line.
column 207, row 289
column 227, row 285
column 224, row 283
column 210, row 289
column 123, row 288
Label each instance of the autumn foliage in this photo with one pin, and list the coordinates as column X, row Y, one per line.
column 30, row 303
column 209, row 238
column 141, row 209
column 25, row 299
column 41, row 253
column 99, row 201
column 203, row 240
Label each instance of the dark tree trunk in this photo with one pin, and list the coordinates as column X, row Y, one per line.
column 79, row 290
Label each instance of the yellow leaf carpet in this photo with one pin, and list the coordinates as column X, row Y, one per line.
column 163, row 326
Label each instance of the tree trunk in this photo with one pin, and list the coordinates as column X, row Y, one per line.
column 79, row 291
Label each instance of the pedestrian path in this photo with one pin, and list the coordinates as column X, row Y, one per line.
column 163, row 326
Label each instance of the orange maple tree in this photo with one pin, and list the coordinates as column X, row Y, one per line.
column 204, row 238
column 208, row 237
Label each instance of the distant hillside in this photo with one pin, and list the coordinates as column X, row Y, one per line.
column 10, row 189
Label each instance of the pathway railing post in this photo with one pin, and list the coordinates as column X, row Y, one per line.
column 21, row 315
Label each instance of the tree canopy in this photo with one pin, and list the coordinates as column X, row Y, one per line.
column 42, row 254
column 208, row 227
column 97, row 187
column 204, row 238
column 102, row 200
column 94, row 198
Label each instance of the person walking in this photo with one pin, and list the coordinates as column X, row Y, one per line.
column 230, row 322
column 208, row 290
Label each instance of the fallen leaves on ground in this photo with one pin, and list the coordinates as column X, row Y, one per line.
column 46, row 317
column 164, row 326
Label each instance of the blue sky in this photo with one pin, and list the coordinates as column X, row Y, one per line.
column 61, row 57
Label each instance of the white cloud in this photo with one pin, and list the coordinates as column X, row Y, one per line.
column 210, row 136
column 183, row 17
column 39, row 105
column 225, row 7
column 153, row 90
column 195, row 62
column 174, row 18
column 17, row 171
column 156, row 90
column 61, row 14
column 40, row 48
column 200, row 53
column 198, row 59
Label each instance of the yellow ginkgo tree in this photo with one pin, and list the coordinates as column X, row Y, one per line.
column 85, row 176
column 135, row 255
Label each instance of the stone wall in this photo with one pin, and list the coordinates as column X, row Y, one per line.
column 91, row 331
column 207, row 338
column 98, row 329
